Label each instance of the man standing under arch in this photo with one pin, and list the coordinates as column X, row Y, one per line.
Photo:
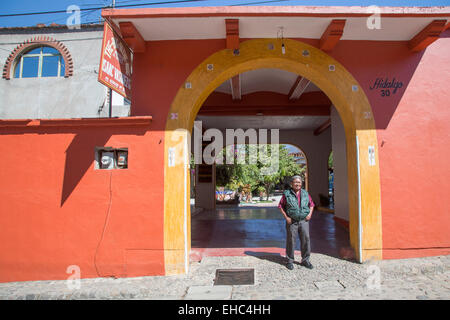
column 297, row 207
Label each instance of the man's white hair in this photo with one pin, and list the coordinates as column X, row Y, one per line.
column 296, row 177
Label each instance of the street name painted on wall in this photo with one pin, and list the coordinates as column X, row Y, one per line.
column 115, row 63
column 386, row 87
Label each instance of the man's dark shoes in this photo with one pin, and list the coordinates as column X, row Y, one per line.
column 307, row 264
column 290, row 266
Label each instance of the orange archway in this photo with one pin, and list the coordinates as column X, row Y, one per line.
column 333, row 79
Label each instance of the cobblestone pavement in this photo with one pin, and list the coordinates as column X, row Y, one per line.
column 331, row 278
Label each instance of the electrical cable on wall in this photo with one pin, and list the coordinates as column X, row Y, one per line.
column 105, row 224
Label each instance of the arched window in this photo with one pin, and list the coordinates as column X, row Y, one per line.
column 42, row 61
column 39, row 57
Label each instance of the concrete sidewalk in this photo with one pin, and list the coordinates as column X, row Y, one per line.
column 331, row 278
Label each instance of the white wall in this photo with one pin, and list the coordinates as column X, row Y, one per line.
column 317, row 150
column 205, row 193
column 340, row 166
column 78, row 96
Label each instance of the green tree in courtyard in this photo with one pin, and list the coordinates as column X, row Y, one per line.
column 239, row 176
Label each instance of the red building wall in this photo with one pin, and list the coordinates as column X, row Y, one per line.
column 415, row 178
column 57, row 211
column 413, row 137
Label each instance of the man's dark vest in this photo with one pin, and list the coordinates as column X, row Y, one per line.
column 292, row 208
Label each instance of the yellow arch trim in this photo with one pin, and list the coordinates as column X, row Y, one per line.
column 339, row 85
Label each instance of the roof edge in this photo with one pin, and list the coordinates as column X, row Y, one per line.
column 312, row 11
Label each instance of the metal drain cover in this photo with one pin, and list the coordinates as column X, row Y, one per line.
column 234, row 277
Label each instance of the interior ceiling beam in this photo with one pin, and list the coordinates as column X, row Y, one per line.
column 232, row 32
column 314, row 103
column 132, row 36
column 324, row 126
column 235, row 84
column 332, row 35
column 298, row 88
column 427, row 36
column 276, row 110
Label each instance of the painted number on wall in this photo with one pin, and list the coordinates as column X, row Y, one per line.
column 385, row 93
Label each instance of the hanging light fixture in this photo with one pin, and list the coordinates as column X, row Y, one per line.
column 280, row 35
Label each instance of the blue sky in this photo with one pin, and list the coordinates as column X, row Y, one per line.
column 25, row 6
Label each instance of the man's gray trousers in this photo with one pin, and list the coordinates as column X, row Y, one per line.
column 300, row 228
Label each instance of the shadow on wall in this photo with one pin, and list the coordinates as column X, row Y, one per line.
column 81, row 151
column 384, row 71
column 77, row 163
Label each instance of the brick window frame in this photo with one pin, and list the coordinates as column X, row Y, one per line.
column 37, row 42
